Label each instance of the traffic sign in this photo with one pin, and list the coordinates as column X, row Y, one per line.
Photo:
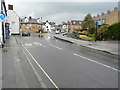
column 99, row 23
column 2, row 15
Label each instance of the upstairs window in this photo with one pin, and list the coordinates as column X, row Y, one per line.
column 74, row 23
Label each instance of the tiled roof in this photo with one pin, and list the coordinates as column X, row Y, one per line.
column 76, row 22
column 30, row 21
column 102, row 16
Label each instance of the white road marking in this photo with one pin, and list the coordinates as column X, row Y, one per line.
column 56, row 47
column 34, row 44
column 28, row 44
column 97, row 62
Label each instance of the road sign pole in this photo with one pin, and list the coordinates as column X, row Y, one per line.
column 96, row 33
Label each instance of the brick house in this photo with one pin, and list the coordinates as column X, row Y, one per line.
column 74, row 24
column 30, row 24
column 108, row 18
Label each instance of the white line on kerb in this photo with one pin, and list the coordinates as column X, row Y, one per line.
column 97, row 62
column 55, row 46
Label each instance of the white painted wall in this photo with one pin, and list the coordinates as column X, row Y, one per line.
column 13, row 19
column 48, row 27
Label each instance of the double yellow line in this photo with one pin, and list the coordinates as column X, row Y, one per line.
column 41, row 68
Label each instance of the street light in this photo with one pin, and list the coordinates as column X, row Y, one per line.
column 96, row 32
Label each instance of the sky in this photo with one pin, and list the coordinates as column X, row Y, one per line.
column 61, row 10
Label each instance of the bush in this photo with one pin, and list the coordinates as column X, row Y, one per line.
column 40, row 30
column 114, row 31
column 44, row 32
column 79, row 30
column 102, row 32
column 111, row 32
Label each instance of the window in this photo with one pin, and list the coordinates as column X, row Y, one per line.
column 74, row 23
column 80, row 23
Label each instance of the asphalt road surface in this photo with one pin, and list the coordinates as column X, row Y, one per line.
column 59, row 64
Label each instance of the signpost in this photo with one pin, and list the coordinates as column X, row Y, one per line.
column 99, row 23
column 2, row 15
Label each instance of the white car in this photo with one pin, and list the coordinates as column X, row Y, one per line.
column 57, row 32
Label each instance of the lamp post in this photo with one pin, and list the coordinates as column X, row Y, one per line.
column 96, row 32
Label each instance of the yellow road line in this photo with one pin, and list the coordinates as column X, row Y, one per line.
column 41, row 68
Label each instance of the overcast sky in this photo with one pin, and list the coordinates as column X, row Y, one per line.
column 59, row 11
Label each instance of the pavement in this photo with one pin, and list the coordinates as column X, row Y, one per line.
column 105, row 46
column 16, row 71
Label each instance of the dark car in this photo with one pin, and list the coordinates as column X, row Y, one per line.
column 25, row 33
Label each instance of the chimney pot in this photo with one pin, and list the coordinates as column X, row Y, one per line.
column 30, row 17
column 93, row 16
column 98, row 15
column 102, row 14
column 108, row 11
column 115, row 8
column 10, row 7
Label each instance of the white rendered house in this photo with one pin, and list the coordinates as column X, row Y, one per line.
column 47, row 27
column 14, row 20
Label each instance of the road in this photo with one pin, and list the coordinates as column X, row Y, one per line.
column 60, row 64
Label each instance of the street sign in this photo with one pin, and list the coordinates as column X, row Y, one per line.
column 99, row 23
column 2, row 15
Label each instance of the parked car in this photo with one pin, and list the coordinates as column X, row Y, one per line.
column 62, row 31
column 57, row 32
column 25, row 33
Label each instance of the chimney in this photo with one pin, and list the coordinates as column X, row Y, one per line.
column 98, row 15
column 115, row 8
column 102, row 14
column 30, row 17
column 108, row 11
column 10, row 7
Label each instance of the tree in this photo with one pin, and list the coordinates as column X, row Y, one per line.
column 89, row 24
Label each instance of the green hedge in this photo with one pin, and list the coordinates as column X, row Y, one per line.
column 111, row 32
column 114, row 31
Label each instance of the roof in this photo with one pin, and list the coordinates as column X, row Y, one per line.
column 76, row 22
column 102, row 16
column 30, row 21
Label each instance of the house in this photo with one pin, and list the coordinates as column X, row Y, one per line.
column 64, row 27
column 2, row 23
column 14, row 20
column 59, row 26
column 47, row 26
column 108, row 18
column 30, row 24
column 74, row 24
column 53, row 25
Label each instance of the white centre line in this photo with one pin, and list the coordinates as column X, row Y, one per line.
column 56, row 47
column 97, row 62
